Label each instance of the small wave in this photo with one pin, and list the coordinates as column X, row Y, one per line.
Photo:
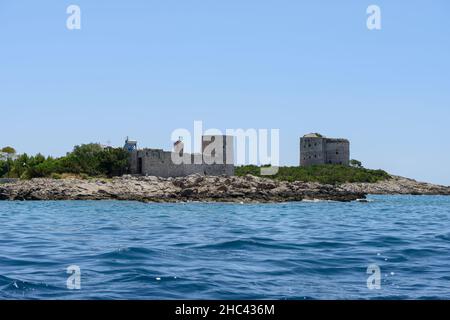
column 128, row 253
column 316, row 200
column 365, row 200
column 421, row 252
column 445, row 236
column 248, row 243
column 5, row 260
column 387, row 240
column 327, row 244
column 109, row 228
column 13, row 285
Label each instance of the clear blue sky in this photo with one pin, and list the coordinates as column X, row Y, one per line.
column 145, row 68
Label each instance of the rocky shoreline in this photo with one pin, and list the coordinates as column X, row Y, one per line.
column 247, row 189
column 398, row 185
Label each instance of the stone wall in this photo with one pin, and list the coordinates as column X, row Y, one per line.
column 157, row 162
column 312, row 151
column 337, row 151
column 321, row 150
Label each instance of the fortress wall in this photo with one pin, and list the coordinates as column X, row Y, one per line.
column 218, row 169
column 159, row 163
column 337, row 151
column 312, row 151
column 133, row 162
column 319, row 150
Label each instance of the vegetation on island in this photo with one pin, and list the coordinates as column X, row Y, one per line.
column 326, row 173
column 88, row 160
column 94, row 160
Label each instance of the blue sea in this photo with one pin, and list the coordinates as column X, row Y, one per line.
column 303, row 250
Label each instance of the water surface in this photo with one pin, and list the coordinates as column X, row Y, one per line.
column 130, row 250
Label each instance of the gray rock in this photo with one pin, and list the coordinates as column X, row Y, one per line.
column 248, row 189
column 191, row 188
column 397, row 185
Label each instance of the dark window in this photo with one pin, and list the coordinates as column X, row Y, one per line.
column 140, row 166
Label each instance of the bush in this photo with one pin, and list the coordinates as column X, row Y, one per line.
column 355, row 163
column 113, row 161
column 56, row 176
column 4, row 168
column 329, row 174
column 83, row 176
column 84, row 161
column 19, row 166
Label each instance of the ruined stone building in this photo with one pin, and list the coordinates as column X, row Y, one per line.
column 317, row 149
column 217, row 158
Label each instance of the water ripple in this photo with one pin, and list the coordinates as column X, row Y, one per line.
column 317, row 250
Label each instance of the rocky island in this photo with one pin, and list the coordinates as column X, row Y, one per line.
column 95, row 172
column 245, row 189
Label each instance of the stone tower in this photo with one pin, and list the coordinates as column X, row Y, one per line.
column 218, row 149
column 317, row 149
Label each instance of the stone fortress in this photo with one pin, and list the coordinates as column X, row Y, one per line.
column 317, row 149
column 217, row 157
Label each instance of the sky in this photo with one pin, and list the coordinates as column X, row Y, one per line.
column 145, row 68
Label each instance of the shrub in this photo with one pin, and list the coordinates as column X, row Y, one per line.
column 4, row 168
column 355, row 163
column 83, row 176
column 85, row 160
column 329, row 174
column 56, row 176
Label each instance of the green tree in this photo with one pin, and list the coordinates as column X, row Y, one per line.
column 4, row 168
column 39, row 167
column 19, row 166
column 9, row 150
column 87, row 160
column 84, row 159
column 113, row 161
column 355, row 163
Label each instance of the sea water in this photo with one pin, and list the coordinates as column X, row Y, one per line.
column 301, row 250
